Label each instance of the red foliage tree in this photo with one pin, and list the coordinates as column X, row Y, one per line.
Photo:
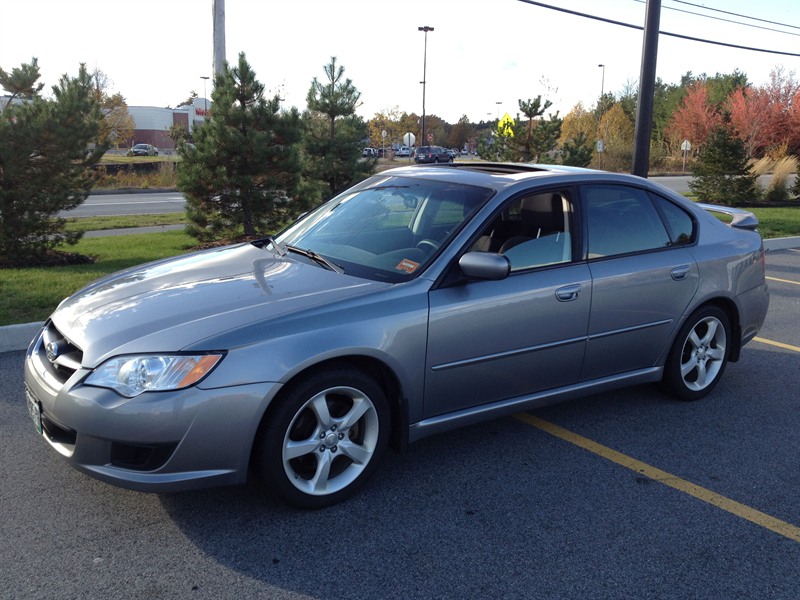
column 695, row 118
column 766, row 117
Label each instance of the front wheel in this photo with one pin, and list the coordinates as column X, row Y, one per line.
column 698, row 358
column 324, row 438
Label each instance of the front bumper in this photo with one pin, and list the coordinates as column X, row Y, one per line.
column 155, row 442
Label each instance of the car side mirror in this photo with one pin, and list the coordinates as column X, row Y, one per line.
column 484, row 265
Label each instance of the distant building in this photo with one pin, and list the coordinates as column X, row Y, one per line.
column 152, row 124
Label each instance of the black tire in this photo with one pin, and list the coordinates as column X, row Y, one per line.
column 324, row 438
column 699, row 355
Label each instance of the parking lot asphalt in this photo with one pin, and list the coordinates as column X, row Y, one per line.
column 627, row 494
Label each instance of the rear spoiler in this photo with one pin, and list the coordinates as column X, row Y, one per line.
column 742, row 219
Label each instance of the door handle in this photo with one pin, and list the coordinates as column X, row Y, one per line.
column 568, row 293
column 680, row 273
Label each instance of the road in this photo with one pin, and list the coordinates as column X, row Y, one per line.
column 505, row 509
column 148, row 203
column 140, row 203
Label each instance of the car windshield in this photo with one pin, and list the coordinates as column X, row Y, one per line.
column 388, row 228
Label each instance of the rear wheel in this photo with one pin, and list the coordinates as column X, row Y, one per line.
column 324, row 438
column 698, row 358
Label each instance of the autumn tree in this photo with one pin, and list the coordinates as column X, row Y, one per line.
column 617, row 133
column 388, row 121
column 45, row 162
column 695, row 118
column 334, row 134
column 763, row 116
column 243, row 176
column 460, row 133
column 117, row 126
column 579, row 124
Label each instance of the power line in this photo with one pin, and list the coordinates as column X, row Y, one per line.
column 689, row 12
column 667, row 33
column 725, row 12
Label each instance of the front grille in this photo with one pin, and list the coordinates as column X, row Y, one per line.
column 59, row 355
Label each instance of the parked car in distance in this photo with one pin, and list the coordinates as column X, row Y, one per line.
column 370, row 153
column 143, row 150
column 403, row 152
column 453, row 152
column 432, row 154
column 423, row 299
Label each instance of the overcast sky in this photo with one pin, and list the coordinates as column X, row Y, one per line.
column 481, row 52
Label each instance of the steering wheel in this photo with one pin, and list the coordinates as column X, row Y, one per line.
column 427, row 245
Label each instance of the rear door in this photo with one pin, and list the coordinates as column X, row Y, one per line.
column 643, row 276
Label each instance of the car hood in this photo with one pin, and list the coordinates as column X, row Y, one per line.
column 170, row 305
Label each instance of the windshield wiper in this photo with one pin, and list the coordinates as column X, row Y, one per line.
column 280, row 250
column 316, row 258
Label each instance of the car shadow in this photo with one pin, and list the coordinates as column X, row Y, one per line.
column 449, row 502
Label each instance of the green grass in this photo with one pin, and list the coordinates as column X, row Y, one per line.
column 28, row 295
column 778, row 222
column 121, row 222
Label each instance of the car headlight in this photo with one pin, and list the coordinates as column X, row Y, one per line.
column 133, row 375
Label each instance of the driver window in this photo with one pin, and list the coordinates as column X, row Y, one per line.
column 532, row 231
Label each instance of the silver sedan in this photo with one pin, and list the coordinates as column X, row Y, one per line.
column 421, row 300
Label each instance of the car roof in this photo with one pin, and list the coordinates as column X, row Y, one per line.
column 505, row 176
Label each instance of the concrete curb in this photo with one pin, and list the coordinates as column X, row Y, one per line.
column 786, row 243
column 17, row 337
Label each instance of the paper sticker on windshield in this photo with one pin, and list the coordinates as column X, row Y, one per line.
column 407, row 266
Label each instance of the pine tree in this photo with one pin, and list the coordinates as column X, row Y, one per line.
column 576, row 152
column 721, row 175
column 524, row 141
column 243, row 176
column 45, row 162
column 334, row 134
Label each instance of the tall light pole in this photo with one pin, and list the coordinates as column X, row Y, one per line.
column 205, row 98
column 600, row 144
column 498, row 110
column 602, row 83
column 426, row 29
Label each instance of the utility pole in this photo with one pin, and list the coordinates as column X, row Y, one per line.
column 219, row 36
column 647, row 90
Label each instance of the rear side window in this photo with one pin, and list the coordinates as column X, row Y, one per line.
column 679, row 223
column 621, row 220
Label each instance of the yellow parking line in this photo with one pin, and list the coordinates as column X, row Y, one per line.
column 783, row 280
column 736, row 508
column 778, row 344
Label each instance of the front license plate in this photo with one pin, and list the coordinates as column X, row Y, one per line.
column 35, row 411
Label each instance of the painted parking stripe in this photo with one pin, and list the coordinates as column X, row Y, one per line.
column 778, row 344
column 736, row 508
column 783, row 280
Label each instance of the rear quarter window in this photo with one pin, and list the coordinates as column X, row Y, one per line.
column 680, row 224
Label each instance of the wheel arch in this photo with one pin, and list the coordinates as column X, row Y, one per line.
column 728, row 306
column 379, row 371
